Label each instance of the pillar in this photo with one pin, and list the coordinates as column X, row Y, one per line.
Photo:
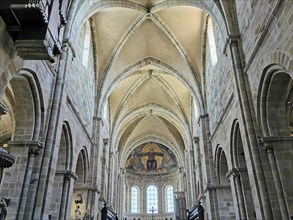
column 189, row 179
column 234, row 173
column 193, row 176
column 17, row 178
column 122, row 195
column 95, row 164
column 115, row 181
column 65, row 203
column 110, row 178
column 48, row 166
column 199, row 167
column 104, row 174
column 209, row 174
column 268, row 147
column 33, row 152
column 260, row 189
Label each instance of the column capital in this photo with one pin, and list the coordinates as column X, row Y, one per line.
column 234, row 172
column 98, row 119
column 267, row 143
column 204, row 115
column 67, row 175
column 112, row 154
column 106, row 141
column 33, row 146
column 33, row 151
column 70, row 175
column 3, row 109
column 196, row 139
column 233, row 39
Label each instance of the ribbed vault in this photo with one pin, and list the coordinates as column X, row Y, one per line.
column 149, row 70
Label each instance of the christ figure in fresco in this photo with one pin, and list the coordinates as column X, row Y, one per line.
column 151, row 162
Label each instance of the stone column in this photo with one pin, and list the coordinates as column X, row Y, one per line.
column 181, row 183
column 122, row 198
column 33, row 152
column 193, row 176
column 199, row 167
column 48, row 166
column 115, row 182
column 65, row 203
column 240, row 198
column 110, row 178
column 268, row 147
column 209, row 174
column 189, row 178
column 94, row 181
column 104, row 175
column 185, row 187
column 181, row 205
column 259, row 176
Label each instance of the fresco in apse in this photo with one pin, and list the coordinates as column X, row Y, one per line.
column 151, row 158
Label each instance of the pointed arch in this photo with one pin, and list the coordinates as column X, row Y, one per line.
column 106, row 91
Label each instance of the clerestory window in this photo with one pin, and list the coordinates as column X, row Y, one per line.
column 152, row 199
column 169, row 199
column 212, row 42
column 86, row 45
column 134, row 200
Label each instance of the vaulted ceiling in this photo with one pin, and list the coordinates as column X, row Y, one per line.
column 149, row 67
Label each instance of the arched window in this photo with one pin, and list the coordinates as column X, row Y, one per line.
column 212, row 42
column 169, row 199
column 86, row 44
column 152, row 199
column 134, row 200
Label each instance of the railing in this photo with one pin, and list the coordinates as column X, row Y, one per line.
column 197, row 213
column 108, row 214
column 137, row 216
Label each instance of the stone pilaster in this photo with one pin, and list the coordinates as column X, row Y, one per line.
column 189, row 179
column 48, row 165
column 110, row 178
column 94, row 181
column 122, row 193
column 193, row 176
column 104, row 174
column 199, row 164
column 261, row 196
column 115, row 182
column 65, row 204
column 268, row 146
column 181, row 177
column 209, row 174
column 234, row 176
column 16, row 181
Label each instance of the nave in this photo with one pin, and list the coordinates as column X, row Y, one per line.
column 152, row 109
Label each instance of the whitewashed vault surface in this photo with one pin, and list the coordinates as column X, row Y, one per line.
column 149, row 73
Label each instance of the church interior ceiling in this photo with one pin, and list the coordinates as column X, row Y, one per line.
column 149, row 73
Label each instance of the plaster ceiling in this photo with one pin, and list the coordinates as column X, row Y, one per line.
column 146, row 68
